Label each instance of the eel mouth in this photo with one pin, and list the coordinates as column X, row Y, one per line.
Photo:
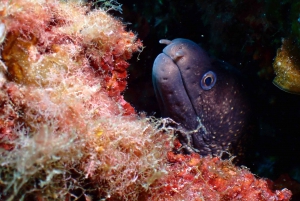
column 172, row 96
column 170, row 90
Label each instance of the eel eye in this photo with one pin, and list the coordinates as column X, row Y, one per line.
column 208, row 80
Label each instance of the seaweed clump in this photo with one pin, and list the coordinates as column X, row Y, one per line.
column 205, row 178
column 65, row 130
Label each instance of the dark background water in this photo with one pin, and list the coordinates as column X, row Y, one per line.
column 247, row 35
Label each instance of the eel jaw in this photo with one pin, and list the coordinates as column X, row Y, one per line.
column 175, row 103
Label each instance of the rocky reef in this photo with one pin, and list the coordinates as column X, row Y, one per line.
column 66, row 132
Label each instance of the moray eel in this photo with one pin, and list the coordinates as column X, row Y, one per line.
column 204, row 95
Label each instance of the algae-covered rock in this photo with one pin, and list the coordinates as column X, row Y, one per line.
column 65, row 130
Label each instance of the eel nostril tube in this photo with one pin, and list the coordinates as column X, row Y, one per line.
column 165, row 41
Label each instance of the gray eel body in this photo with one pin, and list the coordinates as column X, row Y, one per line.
column 191, row 87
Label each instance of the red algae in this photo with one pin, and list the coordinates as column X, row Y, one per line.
column 193, row 177
column 61, row 36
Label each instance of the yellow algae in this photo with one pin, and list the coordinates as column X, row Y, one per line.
column 287, row 67
column 25, row 64
column 99, row 133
